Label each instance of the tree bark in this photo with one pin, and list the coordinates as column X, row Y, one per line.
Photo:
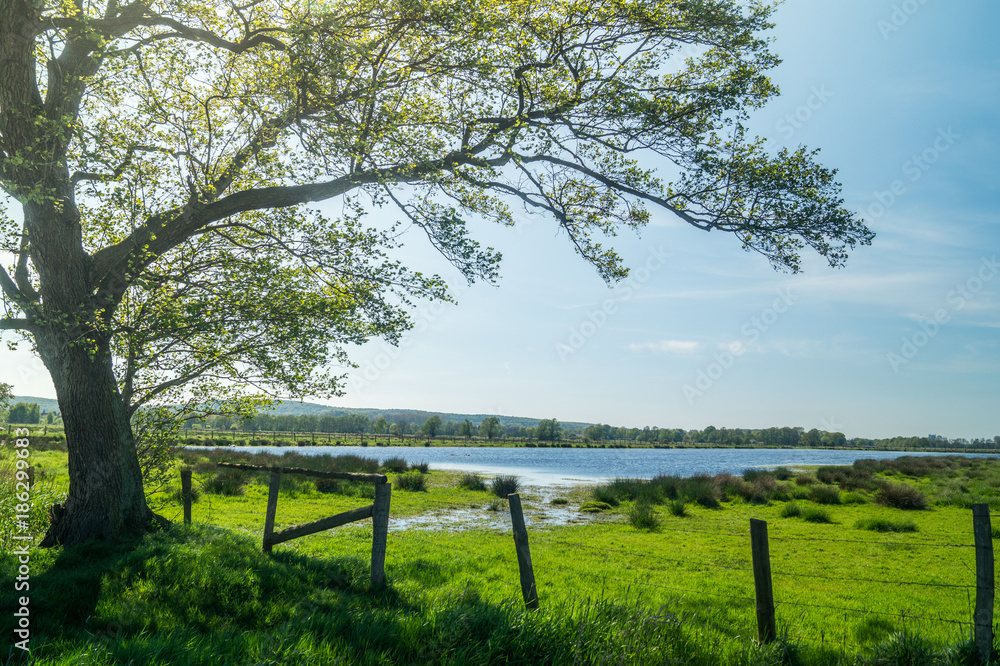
column 106, row 499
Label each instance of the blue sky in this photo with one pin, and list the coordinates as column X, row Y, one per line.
column 902, row 98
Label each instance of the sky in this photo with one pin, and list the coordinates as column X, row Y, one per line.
column 902, row 97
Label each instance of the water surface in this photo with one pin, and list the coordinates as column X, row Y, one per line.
column 562, row 467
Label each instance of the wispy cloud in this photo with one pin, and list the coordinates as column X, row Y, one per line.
column 682, row 347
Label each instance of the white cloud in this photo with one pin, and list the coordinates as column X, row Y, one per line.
column 667, row 346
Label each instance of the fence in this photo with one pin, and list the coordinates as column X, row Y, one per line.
column 762, row 598
column 764, row 602
column 378, row 511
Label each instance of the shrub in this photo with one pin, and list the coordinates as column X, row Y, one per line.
column 813, row 515
column 559, row 501
column 883, row 525
column 783, row 474
column 395, row 465
column 412, row 481
column 791, row 510
column 826, row 495
column 472, row 481
column 643, row 516
column 494, row 505
column 422, row 467
column 805, row 479
column 678, row 508
column 899, row 496
column 505, row 484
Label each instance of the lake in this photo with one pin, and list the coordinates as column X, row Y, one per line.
column 562, row 467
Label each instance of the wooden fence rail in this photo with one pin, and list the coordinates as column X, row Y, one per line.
column 378, row 511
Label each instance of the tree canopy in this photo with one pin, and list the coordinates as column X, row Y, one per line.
column 161, row 164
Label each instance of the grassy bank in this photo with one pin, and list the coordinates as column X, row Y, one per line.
column 851, row 590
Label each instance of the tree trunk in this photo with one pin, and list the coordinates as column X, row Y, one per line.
column 106, row 499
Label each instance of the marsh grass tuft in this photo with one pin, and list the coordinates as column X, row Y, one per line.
column 900, row 496
column 472, row 481
column 229, row 482
column 814, row 515
column 413, row 481
column 791, row 510
column 678, row 508
column 825, row 495
column 642, row 515
column 595, row 507
column 505, row 484
column 396, row 464
column 885, row 525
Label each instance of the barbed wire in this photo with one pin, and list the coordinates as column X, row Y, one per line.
column 870, row 580
column 641, row 555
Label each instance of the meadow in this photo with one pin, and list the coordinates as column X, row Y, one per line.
column 872, row 564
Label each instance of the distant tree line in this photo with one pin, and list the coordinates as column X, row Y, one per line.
column 551, row 430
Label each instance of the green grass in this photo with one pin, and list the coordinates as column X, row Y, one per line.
column 610, row 593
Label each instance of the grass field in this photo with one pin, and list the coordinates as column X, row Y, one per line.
column 872, row 584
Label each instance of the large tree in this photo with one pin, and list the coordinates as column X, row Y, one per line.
column 161, row 161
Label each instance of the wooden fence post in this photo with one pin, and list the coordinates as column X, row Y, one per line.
column 31, row 475
column 528, row 589
column 983, row 617
column 186, row 494
column 762, row 581
column 272, row 509
column 380, row 531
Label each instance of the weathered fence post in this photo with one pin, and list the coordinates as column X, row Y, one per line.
column 762, row 581
column 31, row 476
column 380, row 531
column 983, row 617
column 528, row 589
column 272, row 509
column 186, row 494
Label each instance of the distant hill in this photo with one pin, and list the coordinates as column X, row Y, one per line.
column 411, row 415
column 295, row 408
column 44, row 404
